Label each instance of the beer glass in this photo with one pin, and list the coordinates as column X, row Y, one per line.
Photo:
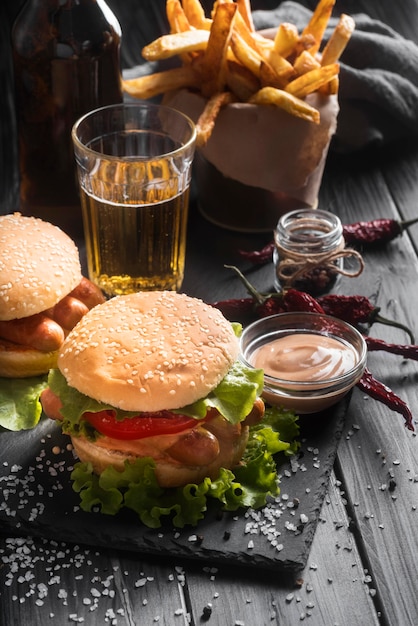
column 134, row 166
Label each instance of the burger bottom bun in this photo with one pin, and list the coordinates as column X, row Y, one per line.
column 170, row 472
column 23, row 362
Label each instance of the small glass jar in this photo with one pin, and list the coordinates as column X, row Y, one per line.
column 308, row 253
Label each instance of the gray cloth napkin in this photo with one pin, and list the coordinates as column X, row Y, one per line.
column 378, row 79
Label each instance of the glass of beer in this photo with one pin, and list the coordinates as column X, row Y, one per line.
column 134, row 165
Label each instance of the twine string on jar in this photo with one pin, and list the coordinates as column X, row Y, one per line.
column 294, row 265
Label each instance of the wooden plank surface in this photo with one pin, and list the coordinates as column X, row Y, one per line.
column 378, row 463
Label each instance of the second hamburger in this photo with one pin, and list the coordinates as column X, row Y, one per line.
column 42, row 294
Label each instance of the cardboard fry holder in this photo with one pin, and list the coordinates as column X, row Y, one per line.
column 260, row 162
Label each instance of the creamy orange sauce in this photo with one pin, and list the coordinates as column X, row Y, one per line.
column 305, row 357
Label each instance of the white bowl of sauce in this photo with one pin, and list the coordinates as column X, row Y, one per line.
column 310, row 360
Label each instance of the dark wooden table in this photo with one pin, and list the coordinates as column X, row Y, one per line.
column 362, row 566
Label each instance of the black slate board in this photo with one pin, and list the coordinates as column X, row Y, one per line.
column 37, row 500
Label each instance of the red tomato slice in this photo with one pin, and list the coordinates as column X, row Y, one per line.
column 139, row 426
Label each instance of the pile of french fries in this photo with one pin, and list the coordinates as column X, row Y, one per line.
column 226, row 60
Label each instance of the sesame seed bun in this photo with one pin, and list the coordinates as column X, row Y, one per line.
column 23, row 362
column 39, row 265
column 149, row 351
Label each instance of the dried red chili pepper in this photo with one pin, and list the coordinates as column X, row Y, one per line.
column 352, row 309
column 375, row 231
column 408, row 351
column 257, row 305
column 272, row 305
column 259, row 257
column 235, row 306
column 378, row 391
column 299, row 301
column 358, row 310
column 242, row 310
column 291, row 300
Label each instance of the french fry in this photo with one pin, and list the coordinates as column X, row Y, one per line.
column 153, row 85
column 176, row 17
column 338, row 40
column 217, row 3
column 206, row 121
column 305, row 42
column 244, row 9
column 213, row 64
column 270, row 78
column 334, row 49
column 241, row 81
column 179, row 23
column 271, row 68
column 274, row 70
column 305, row 62
column 263, row 45
column 240, row 27
column 281, row 66
column 313, row 80
column 168, row 46
column 245, row 54
column 223, row 58
column 287, row 102
column 318, row 22
column 196, row 14
column 330, row 88
column 286, row 39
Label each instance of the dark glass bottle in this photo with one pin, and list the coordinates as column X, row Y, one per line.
column 66, row 58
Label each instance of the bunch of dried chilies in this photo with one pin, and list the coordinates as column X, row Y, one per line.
column 357, row 310
column 373, row 232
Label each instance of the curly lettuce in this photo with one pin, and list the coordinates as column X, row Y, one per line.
column 20, row 407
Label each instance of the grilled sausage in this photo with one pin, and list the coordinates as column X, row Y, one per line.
column 68, row 312
column 88, row 293
column 196, row 447
column 36, row 331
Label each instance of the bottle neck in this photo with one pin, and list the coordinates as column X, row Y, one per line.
column 60, row 4
column 59, row 28
column 38, row 10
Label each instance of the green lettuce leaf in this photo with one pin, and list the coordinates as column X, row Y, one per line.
column 20, row 407
column 233, row 397
column 248, row 485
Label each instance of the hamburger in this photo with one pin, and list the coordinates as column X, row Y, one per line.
column 154, row 375
column 42, row 294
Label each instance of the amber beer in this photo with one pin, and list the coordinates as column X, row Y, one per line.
column 134, row 168
column 135, row 247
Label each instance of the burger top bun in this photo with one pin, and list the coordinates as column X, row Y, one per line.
column 39, row 265
column 149, row 351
